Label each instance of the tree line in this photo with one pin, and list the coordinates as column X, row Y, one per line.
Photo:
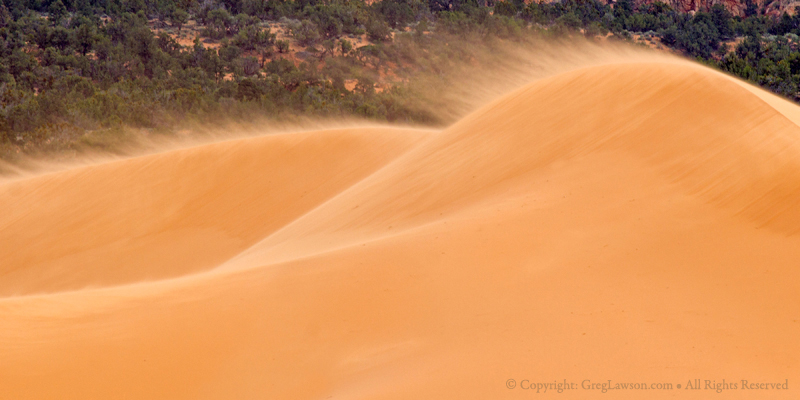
column 71, row 66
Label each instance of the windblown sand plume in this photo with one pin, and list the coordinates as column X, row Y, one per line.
column 633, row 222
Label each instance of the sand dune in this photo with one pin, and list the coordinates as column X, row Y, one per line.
column 169, row 214
column 633, row 222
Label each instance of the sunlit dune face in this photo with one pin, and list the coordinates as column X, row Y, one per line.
column 629, row 222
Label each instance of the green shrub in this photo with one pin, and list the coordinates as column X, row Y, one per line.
column 378, row 30
column 505, row 8
column 305, row 32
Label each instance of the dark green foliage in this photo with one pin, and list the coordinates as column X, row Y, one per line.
column 399, row 13
column 65, row 70
column 218, row 22
column 345, row 47
column 57, row 12
column 723, row 21
column 305, row 32
column 506, row 8
column 282, row 46
column 248, row 90
column 253, row 37
column 697, row 36
column 378, row 29
column 178, row 18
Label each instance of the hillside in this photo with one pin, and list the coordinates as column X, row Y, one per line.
column 96, row 75
column 737, row 7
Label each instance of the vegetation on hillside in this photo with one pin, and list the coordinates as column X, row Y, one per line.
column 68, row 67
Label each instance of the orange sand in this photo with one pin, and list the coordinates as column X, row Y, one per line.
column 636, row 222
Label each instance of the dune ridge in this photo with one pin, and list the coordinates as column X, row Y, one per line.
column 737, row 151
column 634, row 221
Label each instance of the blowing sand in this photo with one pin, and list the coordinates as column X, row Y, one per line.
column 633, row 222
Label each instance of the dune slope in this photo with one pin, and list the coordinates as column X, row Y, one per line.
column 634, row 222
column 169, row 214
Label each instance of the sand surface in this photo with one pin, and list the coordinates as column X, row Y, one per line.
column 634, row 222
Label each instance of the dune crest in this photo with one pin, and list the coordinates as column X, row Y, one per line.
column 735, row 151
column 633, row 222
